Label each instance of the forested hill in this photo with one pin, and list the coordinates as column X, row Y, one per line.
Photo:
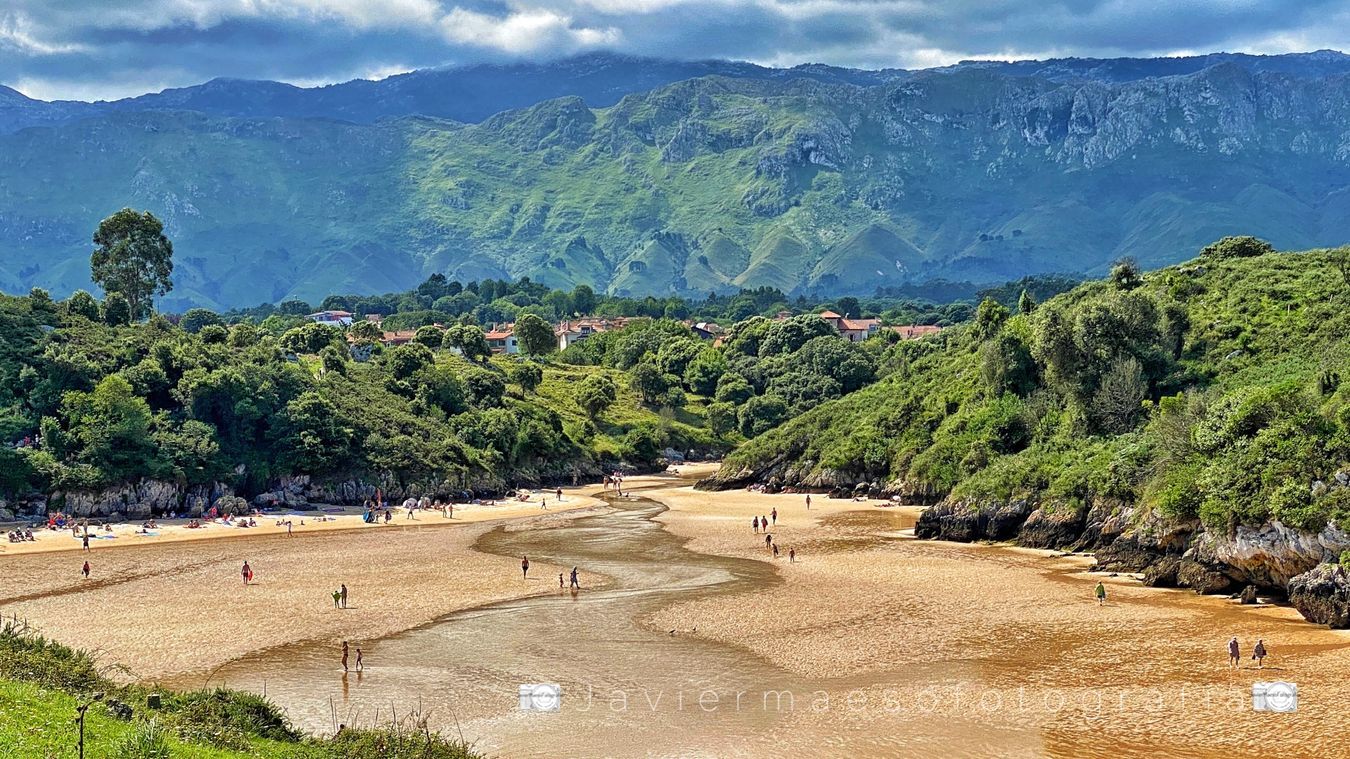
column 1216, row 390
column 817, row 180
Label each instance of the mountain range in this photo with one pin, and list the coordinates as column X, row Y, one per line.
column 647, row 176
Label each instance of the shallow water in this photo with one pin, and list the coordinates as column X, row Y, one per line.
column 628, row 690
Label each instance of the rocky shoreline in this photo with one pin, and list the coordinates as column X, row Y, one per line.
column 1243, row 561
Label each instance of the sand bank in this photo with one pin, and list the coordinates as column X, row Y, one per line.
column 1012, row 636
column 176, row 603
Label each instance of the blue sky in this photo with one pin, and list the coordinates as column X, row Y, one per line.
column 92, row 49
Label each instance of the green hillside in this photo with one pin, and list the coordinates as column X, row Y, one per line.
column 1213, row 389
column 711, row 183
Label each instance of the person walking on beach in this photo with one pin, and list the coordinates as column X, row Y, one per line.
column 1234, row 653
column 451, row 509
column 808, row 501
column 1100, row 593
column 792, row 556
column 86, row 570
column 768, row 540
column 1259, row 653
column 560, row 581
column 774, row 514
column 524, row 567
column 360, row 665
column 775, row 551
column 246, row 572
column 86, row 539
column 575, row 584
column 344, row 656
column 337, row 599
column 754, row 524
column 559, row 494
column 343, row 594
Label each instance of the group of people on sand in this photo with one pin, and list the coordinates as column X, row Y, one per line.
column 758, row 524
column 360, row 658
column 340, row 597
column 615, row 479
column 1259, row 653
column 21, row 536
column 525, row 574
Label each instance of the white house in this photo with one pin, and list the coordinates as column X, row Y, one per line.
column 502, row 339
column 332, row 318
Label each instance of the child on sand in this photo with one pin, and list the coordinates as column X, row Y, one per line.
column 1234, row 652
column 1100, row 592
column 1259, row 653
column 337, row 599
column 86, row 570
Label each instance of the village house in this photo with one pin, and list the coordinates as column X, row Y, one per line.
column 502, row 339
column 337, row 319
column 704, row 330
column 853, row 330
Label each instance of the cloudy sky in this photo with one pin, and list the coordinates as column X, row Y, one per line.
column 92, row 49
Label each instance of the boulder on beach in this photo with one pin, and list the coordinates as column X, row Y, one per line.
column 1322, row 595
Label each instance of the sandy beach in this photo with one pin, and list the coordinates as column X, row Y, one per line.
column 920, row 648
column 175, row 603
column 1011, row 635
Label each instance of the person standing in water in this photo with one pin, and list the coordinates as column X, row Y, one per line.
column 344, row 656
column 1234, row 653
column 86, row 570
column 360, row 666
column 343, row 592
column 246, row 572
column 524, row 567
column 1100, row 593
column 1259, row 653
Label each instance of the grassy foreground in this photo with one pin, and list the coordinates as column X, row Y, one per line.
column 43, row 685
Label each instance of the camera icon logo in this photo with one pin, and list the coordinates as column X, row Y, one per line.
column 540, row 697
column 1274, row 697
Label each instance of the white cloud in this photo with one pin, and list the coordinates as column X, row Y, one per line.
column 523, row 31
column 17, row 34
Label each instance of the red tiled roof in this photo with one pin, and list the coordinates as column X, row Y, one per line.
column 829, row 315
column 496, row 334
column 862, row 325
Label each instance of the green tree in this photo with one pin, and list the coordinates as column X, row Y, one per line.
column 721, row 418
column 1125, row 275
column 989, row 318
column 702, row 374
column 133, row 258
column 761, row 414
column 469, row 340
column 535, row 335
column 430, row 336
column 583, row 300
column 196, row 318
column 81, row 303
column 365, row 331
column 528, row 375
column 1243, row 246
column 643, row 445
column 649, row 382
column 595, row 394
column 213, row 334
column 334, row 359
column 406, row 360
column 312, row 431
column 1025, row 303
column 733, row 388
column 485, row 387
column 109, row 428
column 309, row 338
column 116, row 310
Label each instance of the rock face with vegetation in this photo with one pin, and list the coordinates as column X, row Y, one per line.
column 1191, row 424
column 808, row 180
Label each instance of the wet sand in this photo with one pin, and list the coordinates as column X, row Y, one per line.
column 889, row 646
column 1012, row 634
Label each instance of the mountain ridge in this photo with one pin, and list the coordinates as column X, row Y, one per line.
column 809, row 184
